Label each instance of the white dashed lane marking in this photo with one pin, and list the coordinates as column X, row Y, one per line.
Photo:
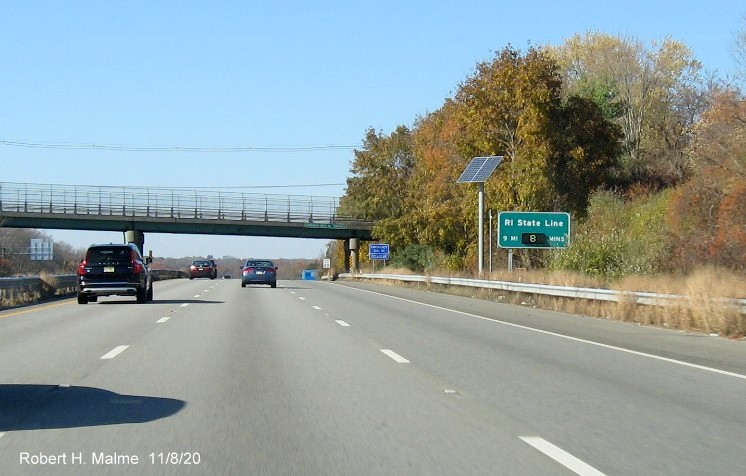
column 397, row 358
column 317, row 308
column 114, row 352
column 342, row 323
column 562, row 457
column 185, row 304
column 163, row 319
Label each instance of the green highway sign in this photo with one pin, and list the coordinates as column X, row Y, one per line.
column 325, row 225
column 533, row 229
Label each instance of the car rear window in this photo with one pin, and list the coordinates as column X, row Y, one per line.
column 259, row 264
column 202, row 263
column 116, row 254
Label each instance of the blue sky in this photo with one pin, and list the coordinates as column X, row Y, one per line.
column 242, row 73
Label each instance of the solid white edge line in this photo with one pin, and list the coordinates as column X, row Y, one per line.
column 563, row 336
column 114, row 352
column 316, row 307
column 561, row 456
column 163, row 319
column 398, row 358
column 1, row 435
column 342, row 323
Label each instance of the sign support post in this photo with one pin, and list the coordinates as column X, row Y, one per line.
column 481, row 227
column 478, row 170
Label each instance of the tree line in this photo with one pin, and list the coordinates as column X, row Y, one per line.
column 643, row 147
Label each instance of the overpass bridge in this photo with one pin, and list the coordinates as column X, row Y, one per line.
column 140, row 210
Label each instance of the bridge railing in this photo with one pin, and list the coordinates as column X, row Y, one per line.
column 168, row 203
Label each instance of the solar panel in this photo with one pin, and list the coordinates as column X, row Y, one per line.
column 480, row 169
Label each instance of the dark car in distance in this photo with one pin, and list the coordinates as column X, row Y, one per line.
column 259, row 271
column 205, row 268
column 114, row 270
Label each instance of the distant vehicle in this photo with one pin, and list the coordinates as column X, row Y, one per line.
column 259, row 271
column 227, row 276
column 114, row 270
column 203, row 269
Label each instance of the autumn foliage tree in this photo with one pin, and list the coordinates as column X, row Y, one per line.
column 555, row 154
column 655, row 93
column 600, row 120
column 708, row 218
column 380, row 173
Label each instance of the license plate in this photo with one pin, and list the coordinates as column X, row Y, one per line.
column 260, row 272
column 108, row 269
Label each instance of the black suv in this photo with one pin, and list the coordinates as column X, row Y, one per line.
column 114, row 269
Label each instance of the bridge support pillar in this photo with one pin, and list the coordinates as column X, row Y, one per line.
column 354, row 257
column 138, row 238
column 347, row 256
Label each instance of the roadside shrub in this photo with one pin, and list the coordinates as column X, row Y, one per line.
column 416, row 257
column 618, row 238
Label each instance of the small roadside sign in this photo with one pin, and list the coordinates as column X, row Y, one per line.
column 327, row 263
column 379, row 251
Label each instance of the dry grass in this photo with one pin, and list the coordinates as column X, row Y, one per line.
column 703, row 306
column 701, row 309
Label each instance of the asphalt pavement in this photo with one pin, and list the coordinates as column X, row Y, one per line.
column 344, row 378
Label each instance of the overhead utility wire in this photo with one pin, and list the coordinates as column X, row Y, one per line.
column 156, row 148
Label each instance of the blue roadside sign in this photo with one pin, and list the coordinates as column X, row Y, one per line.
column 379, row 251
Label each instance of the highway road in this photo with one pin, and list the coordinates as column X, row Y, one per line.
column 318, row 378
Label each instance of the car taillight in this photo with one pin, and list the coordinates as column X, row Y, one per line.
column 192, row 267
column 137, row 267
column 271, row 270
column 81, row 268
column 248, row 270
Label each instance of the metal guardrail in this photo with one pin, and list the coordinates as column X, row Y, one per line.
column 168, row 203
column 163, row 274
column 14, row 291
column 547, row 289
